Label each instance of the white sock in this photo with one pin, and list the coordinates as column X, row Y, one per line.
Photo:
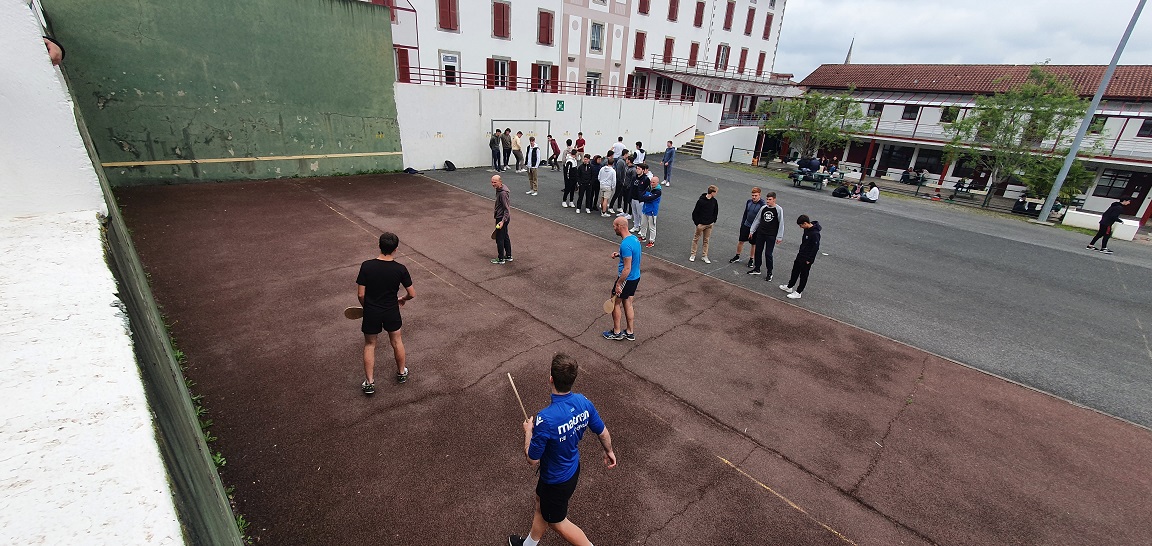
column 529, row 541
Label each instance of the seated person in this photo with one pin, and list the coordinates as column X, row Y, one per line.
column 961, row 185
column 833, row 165
column 872, row 195
column 906, row 176
column 842, row 191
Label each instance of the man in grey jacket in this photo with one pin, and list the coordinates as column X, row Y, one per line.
column 768, row 231
column 503, row 243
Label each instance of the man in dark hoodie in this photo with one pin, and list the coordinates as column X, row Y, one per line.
column 503, row 243
column 751, row 209
column 704, row 216
column 586, row 180
column 767, row 231
column 809, row 248
column 621, row 198
column 494, row 144
column 1110, row 216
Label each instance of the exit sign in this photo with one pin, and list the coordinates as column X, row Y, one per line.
column 559, row 106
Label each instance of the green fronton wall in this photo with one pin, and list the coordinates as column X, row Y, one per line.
column 206, row 80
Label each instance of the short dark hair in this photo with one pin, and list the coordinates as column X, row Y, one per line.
column 620, row 139
column 770, row 194
column 642, row 166
column 564, row 370
column 568, row 142
column 803, row 219
column 639, row 145
column 388, row 242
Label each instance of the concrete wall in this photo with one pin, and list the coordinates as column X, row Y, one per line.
column 718, row 146
column 212, row 90
column 708, row 117
column 457, row 128
column 1124, row 229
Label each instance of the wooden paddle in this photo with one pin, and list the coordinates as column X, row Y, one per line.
column 609, row 304
column 494, row 232
column 353, row 313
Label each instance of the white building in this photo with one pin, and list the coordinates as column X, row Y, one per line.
column 715, row 51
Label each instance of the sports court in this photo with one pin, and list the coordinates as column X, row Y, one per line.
column 737, row 418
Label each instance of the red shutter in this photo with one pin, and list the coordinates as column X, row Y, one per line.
column 544, row 32
column 693, row 52
column 731, row 11
column 403, row 69
column 448, row 14
column 500, row 19
column 768, row 27
column 534, row 81
column 751, row 20
column 698, row 21
column 760, row 64
column 673, row 9
column 638, row 51
column 743, row 60
column 628, row 87
column 553, row 84
column 643, row 7
column 668, row 43
column 511, row 75
column 490, row 81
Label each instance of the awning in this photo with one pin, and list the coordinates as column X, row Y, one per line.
column 727, row 85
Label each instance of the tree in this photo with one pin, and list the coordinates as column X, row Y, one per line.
column 1040, row 175
column 1004, row 132
column 814, row 121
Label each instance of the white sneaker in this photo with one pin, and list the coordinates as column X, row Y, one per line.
column 794, row 295
column 633, row 230
column 587, row 211
column 666, row 183
column 692, row 258
column 628, row 216
column 564, row 204
column 785, row 288
column 604, row 215
column 533, row 192
column 706, row 260
column 529, row 192
column 577, row 211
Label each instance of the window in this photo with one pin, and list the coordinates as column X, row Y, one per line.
column 1145, row 129
column 543, row 78
column 501, row 74
column 728, row 14
column 722, row 57
column 760, row 64
column 693, row 52
column 771, row 4
column 875, row 109
column 743, row 60
column 501, row 20
column 1097, row 125
column 948, row 114
column 698, row 19
column 768, row 27
column 688, row 93
column 715, row 98
column 1112, row 184
column 911, row 112
column 750, row 21
column 673, row 9
column 638, row 86
column 663, row 88
column 638, row 49
column 642, row 7
column 668, row 44
column 596, row 38
column 544, row 27
column 592, row 83
column 448, row 15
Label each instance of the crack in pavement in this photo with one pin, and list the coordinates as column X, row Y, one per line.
column 892, row 422
column 701, row 492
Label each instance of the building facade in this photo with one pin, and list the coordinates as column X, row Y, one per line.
column 909, row 109
column 718, row 51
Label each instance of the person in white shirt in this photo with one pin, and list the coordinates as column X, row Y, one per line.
column 607, row 178
column 618, row 147
column 533, row 158
column 517, row 151
column 871, row 195
column 639, row 153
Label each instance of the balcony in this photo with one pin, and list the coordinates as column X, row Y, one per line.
column 708, row 68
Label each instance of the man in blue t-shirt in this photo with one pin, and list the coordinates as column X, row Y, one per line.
column 627, row 277
column 552, row 442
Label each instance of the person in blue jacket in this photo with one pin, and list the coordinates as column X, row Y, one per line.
column 669, row 157
column 650, row 208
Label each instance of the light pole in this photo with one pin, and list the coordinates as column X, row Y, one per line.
column 1087, row 121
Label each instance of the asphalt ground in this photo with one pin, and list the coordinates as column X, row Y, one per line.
column 737, row 418
column 993, row 291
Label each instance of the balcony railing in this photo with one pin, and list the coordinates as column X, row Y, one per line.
column 708, row 68
column 742, row 119
column 452, row 78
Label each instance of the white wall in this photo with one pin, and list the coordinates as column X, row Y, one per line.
column 708, row 117
column 44, row 167
column 457, row 128
column 718, row 146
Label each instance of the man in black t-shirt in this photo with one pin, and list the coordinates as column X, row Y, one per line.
column 377, row 284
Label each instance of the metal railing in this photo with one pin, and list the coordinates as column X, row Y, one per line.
column 708, row 68
column 743, row 119
column 452, row 78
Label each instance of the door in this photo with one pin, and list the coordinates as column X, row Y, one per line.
column 449, row 68
column 1137, row 189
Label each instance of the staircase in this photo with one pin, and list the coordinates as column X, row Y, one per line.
column 692, row 147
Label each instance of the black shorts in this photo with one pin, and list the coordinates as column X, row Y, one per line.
column 554, row 497
column 744, row 233
column 629, row 289
column 376, row 321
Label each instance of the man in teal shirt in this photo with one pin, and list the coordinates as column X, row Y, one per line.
column 627, row 277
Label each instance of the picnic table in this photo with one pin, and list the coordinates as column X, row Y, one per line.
column 818, row 180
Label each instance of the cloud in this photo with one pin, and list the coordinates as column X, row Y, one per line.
column 818, row 32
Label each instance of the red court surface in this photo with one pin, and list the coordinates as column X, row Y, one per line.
column 737, row 418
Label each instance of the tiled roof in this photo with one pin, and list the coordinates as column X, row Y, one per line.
column 1132, row 82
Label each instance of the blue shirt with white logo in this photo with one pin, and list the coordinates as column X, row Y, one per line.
column 630, row 247
column 557, row 431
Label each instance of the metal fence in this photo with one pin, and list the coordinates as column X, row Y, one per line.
column 510, row 82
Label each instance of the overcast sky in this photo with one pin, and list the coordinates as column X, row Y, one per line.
column 967, row 31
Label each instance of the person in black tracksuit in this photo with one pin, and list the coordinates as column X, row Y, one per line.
column 767, row 231
column 620, row 198
column 809, row 248
column 571, row 164
column 1110, row 216
column 585, row 179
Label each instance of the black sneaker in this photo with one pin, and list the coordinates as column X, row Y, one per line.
column 402, row 377
column 769, row 277
column 629, row 336
column 367, row 387
column 508, row 259
column 515, row 540
column 1105, row 251
column 1090, row 247
column 614, row 336
column 734, row 259
column 499, row 261
column 751, row 263
column 754, row 272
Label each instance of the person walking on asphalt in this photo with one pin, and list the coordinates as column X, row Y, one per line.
column 376, row 286
column 555, row 148
column 502, row 215
column 809, row 247
column 669, row 157
column 767, row 231
column 533, row 160
column 494, row 144
column 751, row 209
column 627, row 277
column 551, row 443
column 651, row 209
column 1110, row 216
column 585, row 177
column 704, row 216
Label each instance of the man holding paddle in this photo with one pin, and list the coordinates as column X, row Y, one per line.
column 627, row 277
column 376, row 286
column 551, row 443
